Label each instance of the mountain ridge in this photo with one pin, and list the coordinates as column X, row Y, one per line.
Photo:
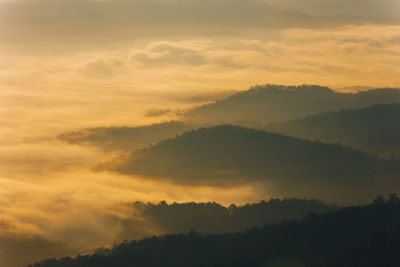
column 263, row 104
column 224, row 155
column 374, row 129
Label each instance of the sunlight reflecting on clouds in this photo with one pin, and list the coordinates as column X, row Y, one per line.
column 69, row 65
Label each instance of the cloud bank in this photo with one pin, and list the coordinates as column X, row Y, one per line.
column 69, row 65
column 122, row 20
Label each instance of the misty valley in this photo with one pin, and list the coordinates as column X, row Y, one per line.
column 199, row 133
column 327, row 165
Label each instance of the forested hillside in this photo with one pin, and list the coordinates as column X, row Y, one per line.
column 282, row 165
column 375, row 129
column 354, row 236
column 212, row 217
column 276, row 103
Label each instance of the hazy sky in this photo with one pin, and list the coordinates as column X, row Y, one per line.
column 71, row 64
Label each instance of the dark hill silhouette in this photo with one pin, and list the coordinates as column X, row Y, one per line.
column 375, row 129
column 162, row 218
column 142, row 220
column 284, row 166
column 354, row 236
column 276, row 103
column 126, row 138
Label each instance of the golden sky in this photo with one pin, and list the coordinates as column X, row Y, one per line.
column 72, row 64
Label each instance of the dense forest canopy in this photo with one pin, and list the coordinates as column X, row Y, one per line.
column 354, row 236
column 212, row 217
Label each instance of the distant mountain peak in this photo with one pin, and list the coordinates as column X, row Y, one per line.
column 269, row 103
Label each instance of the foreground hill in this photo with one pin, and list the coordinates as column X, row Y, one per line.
column 276, row 103
column 282, row 165
column 357, row 236
column 375, row 129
